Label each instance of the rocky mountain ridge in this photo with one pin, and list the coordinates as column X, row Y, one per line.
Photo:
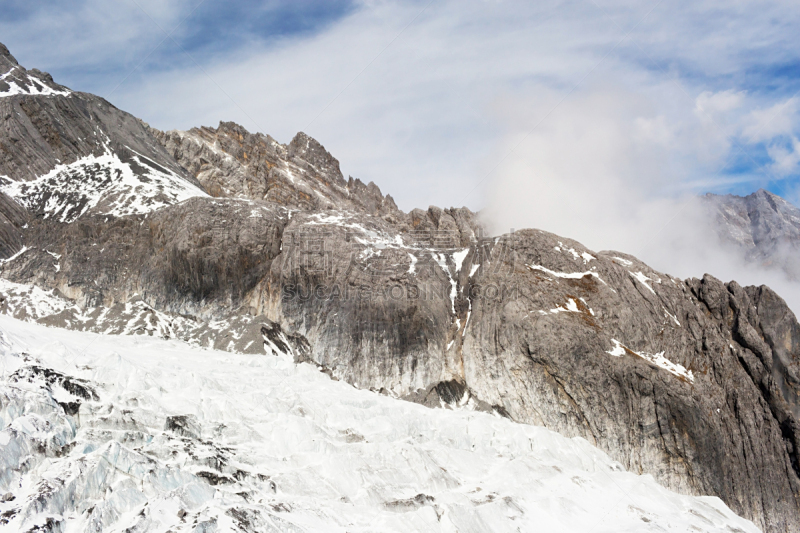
column 692, row 381
column 231, row 162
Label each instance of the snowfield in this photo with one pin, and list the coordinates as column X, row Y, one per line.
column 134, row 433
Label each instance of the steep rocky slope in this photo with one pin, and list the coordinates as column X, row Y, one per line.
column 764, row 226
column 66, row 154
column 694, row 382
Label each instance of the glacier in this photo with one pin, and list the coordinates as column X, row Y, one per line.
column 120, row 433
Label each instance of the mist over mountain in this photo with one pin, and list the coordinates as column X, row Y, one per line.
column 764, row 226
column 258, row 258
column 606, row 170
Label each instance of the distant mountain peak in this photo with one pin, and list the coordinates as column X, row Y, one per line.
column 760, row 194
column 763, row 225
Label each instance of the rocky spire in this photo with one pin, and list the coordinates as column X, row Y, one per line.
column 309, row 150
column 5, row 55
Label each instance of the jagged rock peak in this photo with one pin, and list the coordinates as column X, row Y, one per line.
column 773, row 202
column 16, row 80
column 232, row 162
column 759, row 195
column 5, row 54
column 314, row 153
column 237, row 131
column 763, row 193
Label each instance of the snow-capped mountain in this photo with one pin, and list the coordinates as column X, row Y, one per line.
column 15, row 80
column 113, row 434
column 68, row 154
column 224, row 239
column 764, row 226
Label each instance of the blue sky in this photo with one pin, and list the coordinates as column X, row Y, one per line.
column 201, row 30
column 437, row 101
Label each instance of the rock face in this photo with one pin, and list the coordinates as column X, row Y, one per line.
column 197, row 258
column 231, row 162
column 674, row 378
column 763, row 225
column 695, row 382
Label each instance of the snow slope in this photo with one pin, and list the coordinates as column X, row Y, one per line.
column 131, row 433
column 235, row 333
column 104, row 185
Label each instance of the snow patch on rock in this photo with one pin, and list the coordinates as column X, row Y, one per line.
column 657, row 359
column 567, row 275
column 27, row 85
column 641, row 278
column 103, row 185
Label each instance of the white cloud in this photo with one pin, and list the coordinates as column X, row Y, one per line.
column 413, row 107
column 586, row 170
column 785, row 158
column 777, row 120
column 89, row 34
column 709, row 104
column 654, row 129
